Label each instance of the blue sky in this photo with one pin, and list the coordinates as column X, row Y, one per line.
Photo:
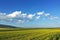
column 30, row 13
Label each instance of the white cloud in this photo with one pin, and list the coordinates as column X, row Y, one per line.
column 24, row 15
column 47, row 14
column 40, row 13
column 2, row 16
column 14, row 14
column 20, row 17
column 52, row 17
column 37, row 17
column 30, row 16
column 20, row 21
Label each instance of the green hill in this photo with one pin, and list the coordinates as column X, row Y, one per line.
column 6, row 26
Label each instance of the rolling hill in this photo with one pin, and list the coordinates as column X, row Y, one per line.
column 6, row 26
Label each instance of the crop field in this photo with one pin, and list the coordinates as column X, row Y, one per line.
column 29, row 34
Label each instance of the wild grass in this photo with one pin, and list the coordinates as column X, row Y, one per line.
column 29, row 34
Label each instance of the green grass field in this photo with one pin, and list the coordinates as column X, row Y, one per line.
column 29, row 34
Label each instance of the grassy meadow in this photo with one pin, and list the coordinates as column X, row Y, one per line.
column 29, row 34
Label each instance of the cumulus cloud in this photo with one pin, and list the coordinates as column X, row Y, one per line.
column 14, row 14
column 24, row 15
column 20, row 21
column 53, row 17
column 40, row 13
column 19, row 17
column 2, row 16
column 37, row 17
column 30, row 16
column 47, row 14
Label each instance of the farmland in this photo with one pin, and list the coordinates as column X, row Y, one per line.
column 29, row 34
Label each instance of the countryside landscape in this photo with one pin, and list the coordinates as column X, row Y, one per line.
column 12, row 33
column 29, row 19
